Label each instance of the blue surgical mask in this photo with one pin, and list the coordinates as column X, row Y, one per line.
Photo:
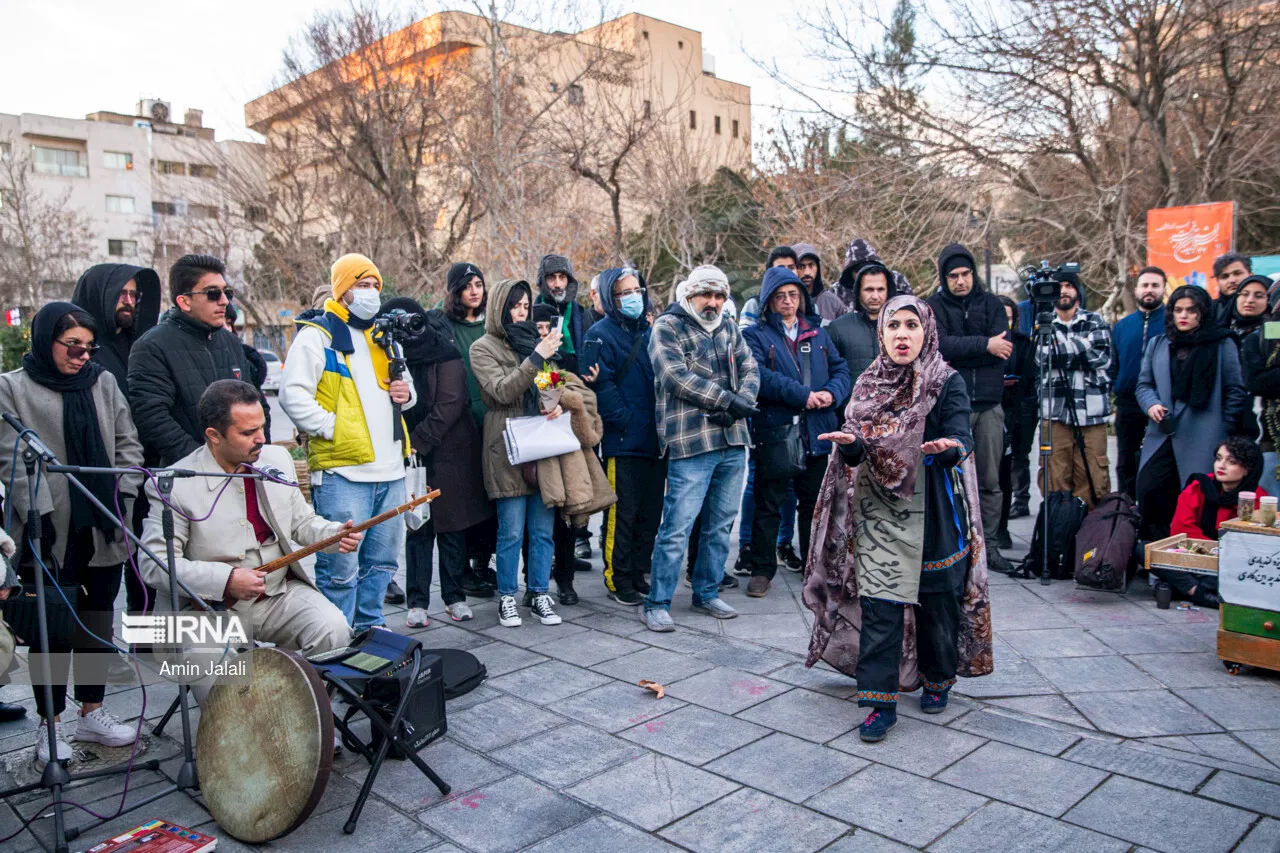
column 631, row 305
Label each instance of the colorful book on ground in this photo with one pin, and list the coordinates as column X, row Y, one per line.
column 158, row 836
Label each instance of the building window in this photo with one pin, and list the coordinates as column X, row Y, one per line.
column 648, row 109
column 575, row 95
column 59, row 161
column 202, row 211
column 735, row 128
column 164, row 208
column 680, row 45
column 122, row 248
column 200, row 170
column 645, row 34
column 117, row 160
column 171, row 167
column 693, row 119
column 120, row 204
column 553, row 87
column 6, row 150
column 255, row 213
column 717, row 123
column 8, row 198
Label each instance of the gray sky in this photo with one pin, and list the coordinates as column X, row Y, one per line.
column 72, row 57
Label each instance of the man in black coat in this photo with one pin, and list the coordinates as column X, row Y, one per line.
column 172, row 364
column 973, row 338
column 854, row 333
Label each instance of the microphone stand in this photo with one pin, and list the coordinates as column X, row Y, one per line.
column 56, row 776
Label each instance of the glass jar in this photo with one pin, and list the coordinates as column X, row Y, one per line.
column 1246, row 506
column 1266, row 512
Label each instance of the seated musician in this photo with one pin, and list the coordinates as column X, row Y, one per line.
column 249, row 524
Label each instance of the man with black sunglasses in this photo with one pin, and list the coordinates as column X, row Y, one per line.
column 173, row 363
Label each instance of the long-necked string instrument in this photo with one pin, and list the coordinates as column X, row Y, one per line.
column 289, row 559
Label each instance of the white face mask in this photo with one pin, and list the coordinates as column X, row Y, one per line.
column 366, row 303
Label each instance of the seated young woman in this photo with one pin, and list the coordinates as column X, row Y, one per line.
column 1206, row 502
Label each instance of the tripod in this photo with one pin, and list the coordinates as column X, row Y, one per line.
column 1044, row 383
column 55, row 776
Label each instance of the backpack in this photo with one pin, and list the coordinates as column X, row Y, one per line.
column 463, row 671
column 1066, row 513
column 1104, row 545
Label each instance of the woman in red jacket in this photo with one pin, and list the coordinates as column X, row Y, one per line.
column 1206, row 502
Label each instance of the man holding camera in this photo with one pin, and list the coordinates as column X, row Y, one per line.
column 1077, row 357
column 973, row 337
column 705, row 382
column 338, row 390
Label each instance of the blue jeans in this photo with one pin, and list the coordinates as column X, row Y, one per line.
column 715, row 477
column 787, row 528
column 1268, row 480
column 514, row 515
column 357, row 582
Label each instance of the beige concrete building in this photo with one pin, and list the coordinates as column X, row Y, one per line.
column 633, row 74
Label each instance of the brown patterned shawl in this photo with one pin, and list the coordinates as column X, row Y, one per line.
column 888, row 409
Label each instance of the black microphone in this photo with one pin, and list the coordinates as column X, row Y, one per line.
column 32, row 440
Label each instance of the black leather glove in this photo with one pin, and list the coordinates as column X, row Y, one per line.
column 739, row 408
column 721, row 419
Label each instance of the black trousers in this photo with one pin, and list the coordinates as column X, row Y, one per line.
column 482, row 540
column 563, row 539
column 1158, row 488
column 95, row 607
column 418, row 545
column 1131, row 426
column 1023, row 438
column 769, row 495
column 631, row 525
column 880, row 646
column 138, row 595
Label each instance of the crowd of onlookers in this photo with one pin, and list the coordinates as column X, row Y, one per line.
column 688, row 418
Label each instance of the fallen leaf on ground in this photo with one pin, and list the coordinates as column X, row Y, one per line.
column 654, row 686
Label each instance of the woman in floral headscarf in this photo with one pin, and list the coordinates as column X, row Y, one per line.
column 897, row 574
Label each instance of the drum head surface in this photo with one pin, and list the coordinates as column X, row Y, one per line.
column 264, row 750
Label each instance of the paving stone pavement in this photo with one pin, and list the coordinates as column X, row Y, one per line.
column 1108, row 725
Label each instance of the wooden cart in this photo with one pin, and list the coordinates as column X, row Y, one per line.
column 1249, row 584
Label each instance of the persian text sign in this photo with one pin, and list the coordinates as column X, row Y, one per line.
column 1249, row 570
column 1183, row 241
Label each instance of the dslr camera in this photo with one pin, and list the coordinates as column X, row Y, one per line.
column 1044, row 283
column 399, row 326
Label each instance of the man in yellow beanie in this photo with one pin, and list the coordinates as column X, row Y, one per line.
column 338, row 390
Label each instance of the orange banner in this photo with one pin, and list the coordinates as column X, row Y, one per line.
column 1183, row 241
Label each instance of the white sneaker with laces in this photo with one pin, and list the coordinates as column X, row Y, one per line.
column 417, row 618
column 102, row 726
column 42, row 745
column 542, row 609
column 508, row 616
column 459, row 612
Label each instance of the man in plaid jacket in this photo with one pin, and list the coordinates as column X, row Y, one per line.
column 706, row 384
column 1078, row 359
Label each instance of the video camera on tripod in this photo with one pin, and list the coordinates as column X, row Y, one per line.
column 1044, row 283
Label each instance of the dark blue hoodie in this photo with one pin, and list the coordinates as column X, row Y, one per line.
column 627, row 408
column 783, row 395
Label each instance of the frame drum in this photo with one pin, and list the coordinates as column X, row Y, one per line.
column 264, row 750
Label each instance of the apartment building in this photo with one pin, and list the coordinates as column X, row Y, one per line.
column 149, row 187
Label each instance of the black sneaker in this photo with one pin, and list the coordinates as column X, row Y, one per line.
column 627, row 597
column 541, row 608
column 1003, row 539
column 740, row 568
column 788, row 557
column 475, row 588
column 999, row 562
column 395, row 595
column 582, row 549
column 728, row 582
column 567, row 595
column 1019, row 510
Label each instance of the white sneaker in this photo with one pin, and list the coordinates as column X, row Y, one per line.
column 417, row 618
column 542, row 609
column 42, row 745
column 459, row 612
column 102, row 726
column 508, row 616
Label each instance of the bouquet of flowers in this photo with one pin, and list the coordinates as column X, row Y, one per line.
column 550, row 384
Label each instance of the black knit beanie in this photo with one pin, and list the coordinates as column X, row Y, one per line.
column 460, row 274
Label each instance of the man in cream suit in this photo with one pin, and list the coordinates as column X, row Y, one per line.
column 250, row 523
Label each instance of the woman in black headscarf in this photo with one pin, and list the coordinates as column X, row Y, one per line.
column 78, row 411
column 1193, row 393
column 447, row 443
